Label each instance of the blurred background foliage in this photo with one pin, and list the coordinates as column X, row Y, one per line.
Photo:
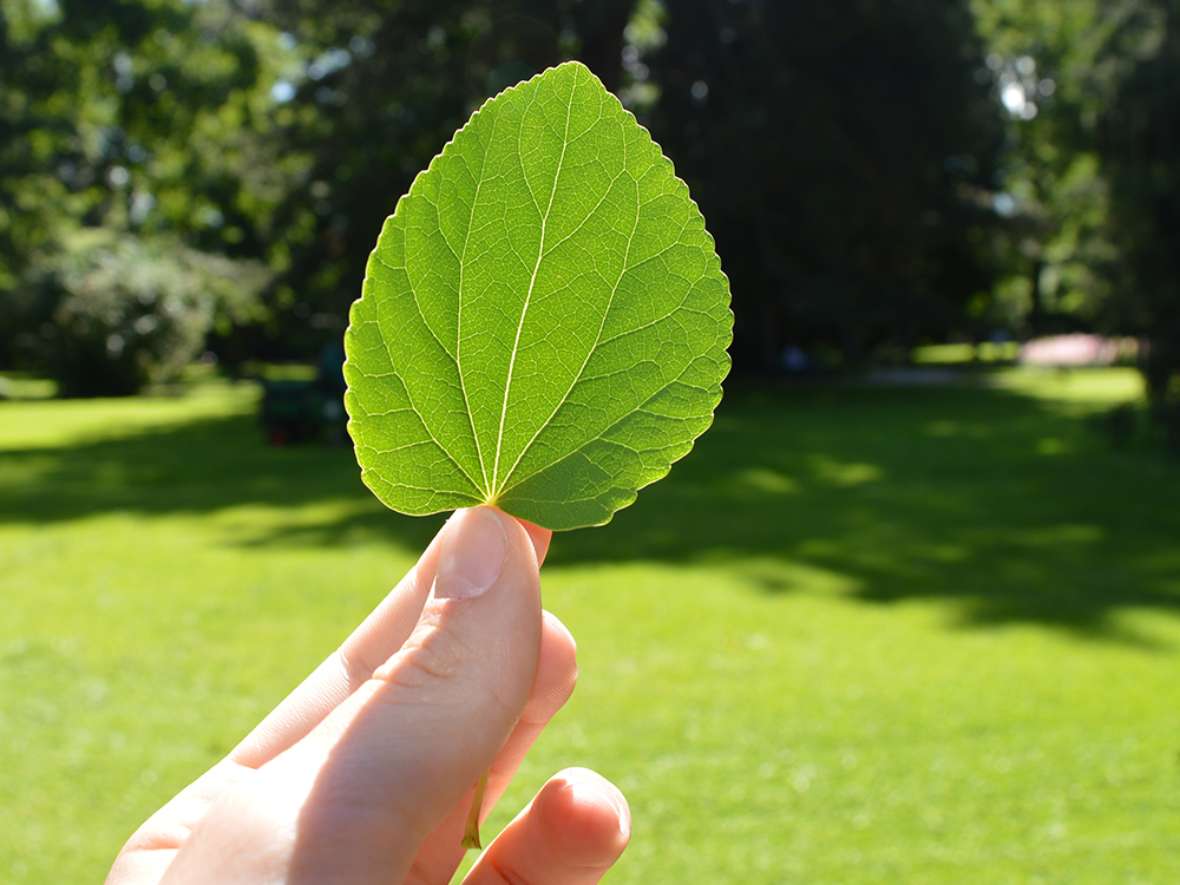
column 878, row 174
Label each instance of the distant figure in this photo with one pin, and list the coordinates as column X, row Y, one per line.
column 795, row 360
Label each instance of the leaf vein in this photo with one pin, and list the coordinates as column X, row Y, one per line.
column 532, row 282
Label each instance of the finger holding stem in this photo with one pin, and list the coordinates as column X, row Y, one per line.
column 366, row 787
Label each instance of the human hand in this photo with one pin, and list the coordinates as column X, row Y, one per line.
column 365, row 772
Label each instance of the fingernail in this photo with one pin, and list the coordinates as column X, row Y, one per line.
column 474, row 546
column 621, row 807
column 590, row 788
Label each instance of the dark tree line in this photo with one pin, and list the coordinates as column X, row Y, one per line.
column 844, row 162
column 877, row 174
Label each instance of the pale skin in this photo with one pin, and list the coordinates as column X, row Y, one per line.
column 364, row 773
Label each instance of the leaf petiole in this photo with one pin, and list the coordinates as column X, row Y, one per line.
column 471, row 830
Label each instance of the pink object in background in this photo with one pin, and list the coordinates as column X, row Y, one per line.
column 1071, row 350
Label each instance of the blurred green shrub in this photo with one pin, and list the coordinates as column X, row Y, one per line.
column 113, row 312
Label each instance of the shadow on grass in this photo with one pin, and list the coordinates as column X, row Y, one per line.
column 997, row 502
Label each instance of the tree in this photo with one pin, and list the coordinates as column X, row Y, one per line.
column 135, row 118
column 845, row 162
column 1140, row 146
column 114, row 312
column 1047, row 61
column 378, row 90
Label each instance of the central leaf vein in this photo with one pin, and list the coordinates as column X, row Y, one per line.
column 532, row 284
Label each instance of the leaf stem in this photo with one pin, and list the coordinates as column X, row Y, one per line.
column 471, row 831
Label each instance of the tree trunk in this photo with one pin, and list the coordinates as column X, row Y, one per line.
column 1036, row 313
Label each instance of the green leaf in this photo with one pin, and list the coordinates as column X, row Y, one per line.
column 544, row 320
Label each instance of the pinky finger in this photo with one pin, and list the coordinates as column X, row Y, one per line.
column 570, row 834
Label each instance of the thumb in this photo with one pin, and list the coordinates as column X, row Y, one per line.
column 410, row 745
column 360, row 793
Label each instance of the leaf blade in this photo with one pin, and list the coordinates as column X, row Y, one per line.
column 553, row 243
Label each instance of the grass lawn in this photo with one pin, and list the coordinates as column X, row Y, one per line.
column 860, row 635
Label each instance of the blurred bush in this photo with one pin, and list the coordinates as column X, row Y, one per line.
column 114, row 312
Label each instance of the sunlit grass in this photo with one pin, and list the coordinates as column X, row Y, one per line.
column 951, row 354
column 1090, row 388
column 860, row 635
column 19, row 386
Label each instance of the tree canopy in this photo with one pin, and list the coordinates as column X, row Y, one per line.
column 876, row 175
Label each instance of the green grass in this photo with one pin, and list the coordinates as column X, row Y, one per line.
column 950, row 354
column 860, row 635
column 20, row 386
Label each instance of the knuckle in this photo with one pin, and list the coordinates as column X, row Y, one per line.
column 354, row 670
column 441, row 664
column 433, row 654
column 420, row 663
